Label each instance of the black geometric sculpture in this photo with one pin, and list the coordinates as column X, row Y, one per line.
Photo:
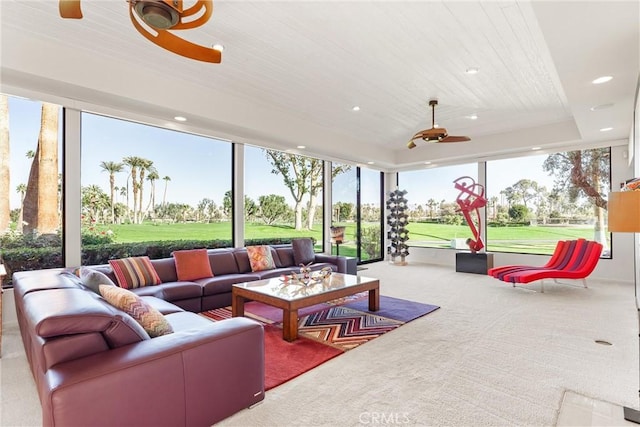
column 397, row 221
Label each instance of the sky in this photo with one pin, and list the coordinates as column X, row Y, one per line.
column 200, row 167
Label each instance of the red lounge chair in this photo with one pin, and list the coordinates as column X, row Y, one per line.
column 571, row 260
column 561, row 250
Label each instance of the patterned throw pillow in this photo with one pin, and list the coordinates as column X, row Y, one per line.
column 134, row 272
column 260, row 258
column 192, row 264
column 148, row 317
column 92, row 279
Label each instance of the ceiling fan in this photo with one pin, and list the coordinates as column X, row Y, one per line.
column 162, row 16
column 435, row 134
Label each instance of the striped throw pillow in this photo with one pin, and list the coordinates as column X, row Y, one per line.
column 134, row 272
column 147, row 316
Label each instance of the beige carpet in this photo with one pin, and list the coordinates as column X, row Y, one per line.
column 492, row 355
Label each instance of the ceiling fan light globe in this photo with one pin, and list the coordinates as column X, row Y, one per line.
column 157, row 15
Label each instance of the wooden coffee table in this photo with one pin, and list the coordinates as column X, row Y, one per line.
column 291, row 296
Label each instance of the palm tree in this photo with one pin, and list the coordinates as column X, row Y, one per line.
column 5, row 177
column 22, row 189
column 147, row 166
column 30, row 154
column 112, row 168
column 164, row 196
column 134, row 163
column 41, row 198
column 152, row 178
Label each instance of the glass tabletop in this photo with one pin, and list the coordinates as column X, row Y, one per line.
column 293, row 289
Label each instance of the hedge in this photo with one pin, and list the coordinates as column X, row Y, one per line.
column 26, row 258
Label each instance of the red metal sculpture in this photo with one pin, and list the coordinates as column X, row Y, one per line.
column 470, row 200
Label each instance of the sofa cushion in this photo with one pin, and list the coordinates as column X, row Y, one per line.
column 260, row 258
column 171, row 291
column 222, row 262
column 166, row 269
column 91, row 279
column 149, row 318
column 223, row 284
column 192, row 264
column 285, row 254
column 134, row 272
column 303, row 252
column 184, row 321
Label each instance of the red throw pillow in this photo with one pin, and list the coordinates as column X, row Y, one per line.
column 192, row 264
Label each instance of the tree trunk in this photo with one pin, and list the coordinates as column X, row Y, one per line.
column 311, row 213
column 298, row 211
column 5, row 183
column 20, row 224
column 41, row 199
column 164, row 194
column 112, row 184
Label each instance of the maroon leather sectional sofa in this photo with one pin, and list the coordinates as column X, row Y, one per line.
column 94, row 365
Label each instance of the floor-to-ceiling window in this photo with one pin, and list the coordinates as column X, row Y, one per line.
column 344, row 195
column 371, row 186
column 283, row 196
column 435, row 220
column 356, row 219
column 535, row 201
column 30, row 184
column 149, row 190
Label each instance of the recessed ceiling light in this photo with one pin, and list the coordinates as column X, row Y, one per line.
column 472, row 70
column 427, row 163
column 218, row 47
column 605, row 129
column 180, row 119
column 302, row 147
column 536, row 148
column 601, row 107
column 601, row 80
column 355, row 108
column 371, row 163
column 472, row 117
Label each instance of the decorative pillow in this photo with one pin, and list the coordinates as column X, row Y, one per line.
column 148, row 317
column 134, row 272
column 260, row 258
column 192, row 264
column 93, row 278
column 303, row 252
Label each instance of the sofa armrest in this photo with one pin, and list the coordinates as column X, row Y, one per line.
column 193, row 377
column 337, row 260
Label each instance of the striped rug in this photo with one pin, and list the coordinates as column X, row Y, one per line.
column 324, row 331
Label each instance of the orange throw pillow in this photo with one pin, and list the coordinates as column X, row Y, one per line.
column 192, row 264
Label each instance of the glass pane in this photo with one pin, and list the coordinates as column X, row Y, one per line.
column 344, row 193
column 149, row 191
column 434, row 217
column 283, row 197
column 370, row 213
column 30, row 185
column 535, row 201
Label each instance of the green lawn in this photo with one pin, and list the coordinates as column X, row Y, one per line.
column 127, row 233
column 531, row 239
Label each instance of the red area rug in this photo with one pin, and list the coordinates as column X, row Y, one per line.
column 325, row 331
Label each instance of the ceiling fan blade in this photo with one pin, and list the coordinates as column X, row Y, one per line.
column 172, row 43
column 208, row 11
column 452, row 138
column 70, row 9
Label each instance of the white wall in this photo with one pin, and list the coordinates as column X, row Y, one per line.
column 619, row 268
